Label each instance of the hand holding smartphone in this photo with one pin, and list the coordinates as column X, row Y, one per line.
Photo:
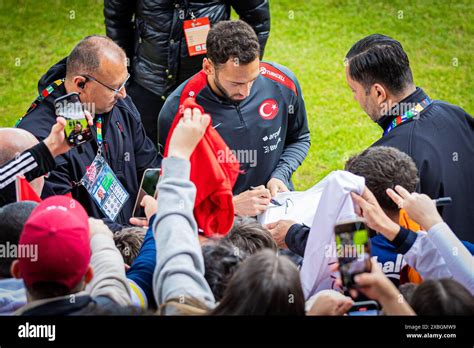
column 353, row 250
column 77, row 128
column 364, row 308
column 148, row 186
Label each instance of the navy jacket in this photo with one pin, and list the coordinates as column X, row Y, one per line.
column 142, row 268
column 128, row 150
column 441, row 142
column 266, row 147
column 82, row 305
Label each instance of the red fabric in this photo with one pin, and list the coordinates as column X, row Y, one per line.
column 214, row 178
column 24, row 191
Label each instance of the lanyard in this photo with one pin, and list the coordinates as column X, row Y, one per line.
column 45, row 93
column 408, row 115
column 100, row 140
column 186, row 6
column 98, row 125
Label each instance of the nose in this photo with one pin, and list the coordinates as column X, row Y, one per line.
column 245, row 90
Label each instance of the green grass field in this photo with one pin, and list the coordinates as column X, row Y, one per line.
column 310, row 37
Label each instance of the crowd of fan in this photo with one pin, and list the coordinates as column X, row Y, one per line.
column 81, row 267
column 63, row 256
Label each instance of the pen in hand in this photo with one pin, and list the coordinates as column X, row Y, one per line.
column 443, row 201
column 273, row 201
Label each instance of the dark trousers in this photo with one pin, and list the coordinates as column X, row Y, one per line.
column 149, row 106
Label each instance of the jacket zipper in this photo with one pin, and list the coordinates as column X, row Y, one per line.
column 242, row 122
column 106, row 150
column 121, row 155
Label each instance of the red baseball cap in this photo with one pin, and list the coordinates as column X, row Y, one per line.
column 57, row 237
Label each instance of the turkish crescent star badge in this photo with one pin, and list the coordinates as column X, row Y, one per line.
column 268, row 109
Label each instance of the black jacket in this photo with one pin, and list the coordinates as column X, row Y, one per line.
column 441, row 142
column 154, row 39
column 128, row 151
column 31, row 163
column 82, row 305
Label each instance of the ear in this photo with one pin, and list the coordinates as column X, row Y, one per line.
column 208, row 67
column 379, row 93
column 89, row 275
column 15, row 269
column 79, row 82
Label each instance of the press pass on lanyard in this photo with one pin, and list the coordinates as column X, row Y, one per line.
column 195, row 32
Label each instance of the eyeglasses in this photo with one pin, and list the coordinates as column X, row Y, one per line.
column 115, row 90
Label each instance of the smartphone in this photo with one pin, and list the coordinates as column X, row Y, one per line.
column 148, row 185
column 364, row 308
column 353, row 250
column 77, row 129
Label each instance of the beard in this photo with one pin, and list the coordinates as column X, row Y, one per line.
column 371, row 110
column 224, row 92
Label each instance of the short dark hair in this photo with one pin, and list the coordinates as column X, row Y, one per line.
column 442, row 297
column 86, row 56
column 128, row 241
column 250, row 236
column 264, row 284
column 384, row 167
column 380, row 59
column 221, row 259
column 44, row 290
column 407, row 290
column 232, row 40
column 13, row 217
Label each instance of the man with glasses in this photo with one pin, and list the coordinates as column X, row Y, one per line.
column 96, row 70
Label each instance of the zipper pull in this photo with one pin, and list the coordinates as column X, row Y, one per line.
column 120, row 128
column 76, row 184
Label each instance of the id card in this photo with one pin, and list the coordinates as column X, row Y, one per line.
column 195, row 32
column 104, row 187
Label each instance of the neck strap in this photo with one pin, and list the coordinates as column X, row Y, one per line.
column 408, row 115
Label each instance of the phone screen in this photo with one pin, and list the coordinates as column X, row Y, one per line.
column 368, row 312
column 147, row 187
column 353, row 250
column 365, row 308
column 70, row 107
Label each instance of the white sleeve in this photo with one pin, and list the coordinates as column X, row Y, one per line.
column 459, row 260
column 425, row 258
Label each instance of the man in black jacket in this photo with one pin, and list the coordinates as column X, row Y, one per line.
column 96, row 70
column 156, row 46
column 437, row 135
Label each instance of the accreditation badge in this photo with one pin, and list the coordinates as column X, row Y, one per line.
column 195, row 32
column 104, row 187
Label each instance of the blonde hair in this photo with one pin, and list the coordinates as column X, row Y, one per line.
column 183, row 306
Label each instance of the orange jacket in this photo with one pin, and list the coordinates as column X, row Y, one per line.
column 408, row 274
